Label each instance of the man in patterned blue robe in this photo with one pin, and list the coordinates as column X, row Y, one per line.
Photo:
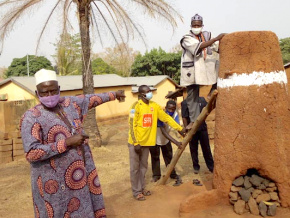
column 64, row 178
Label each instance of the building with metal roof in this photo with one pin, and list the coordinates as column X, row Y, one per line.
column 69, row 83
column 23, row 88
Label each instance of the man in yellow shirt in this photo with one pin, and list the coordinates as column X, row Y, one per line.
column 142, row 134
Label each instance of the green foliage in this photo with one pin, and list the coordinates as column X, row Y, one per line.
column 19, row 66
column 157, row 62
column 285, row 49
column 2, row 72
column 99, row 66
column 121, row 57
column 68, row 56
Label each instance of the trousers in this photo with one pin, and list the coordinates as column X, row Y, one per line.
column 202, row 137
column 193, row 102
column 138, row 168
column 155, row 159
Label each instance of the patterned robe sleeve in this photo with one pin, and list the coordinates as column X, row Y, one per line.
column 86, row 102
column 192, row 45
column 32, row 137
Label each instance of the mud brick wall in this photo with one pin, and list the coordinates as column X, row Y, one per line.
column 5, row 148
column 10, row 138
column 18, row 152
column 11, row 113
column 11, row 147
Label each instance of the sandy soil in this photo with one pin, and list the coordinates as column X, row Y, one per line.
column 113, row 168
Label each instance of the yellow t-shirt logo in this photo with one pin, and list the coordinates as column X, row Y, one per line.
column 147, row 120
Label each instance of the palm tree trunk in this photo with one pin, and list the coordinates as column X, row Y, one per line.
column 90, row 124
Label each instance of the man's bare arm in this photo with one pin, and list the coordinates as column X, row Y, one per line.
column 169, row 137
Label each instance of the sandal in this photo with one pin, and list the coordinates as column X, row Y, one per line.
column 146, row 192
column 140, row 197
column 196, row 182
column 178, row 182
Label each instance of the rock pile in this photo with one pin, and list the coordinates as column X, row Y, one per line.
column 255, row 194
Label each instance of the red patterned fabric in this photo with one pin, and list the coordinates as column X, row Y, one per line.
column 63, row 184
column 51, row 186
column 94, row 183
column 49, row 209
column 35, row 155
column 100, row 213
column 75, row 175
column 39, row 183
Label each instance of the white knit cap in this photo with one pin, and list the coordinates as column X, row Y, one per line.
column 44, row 75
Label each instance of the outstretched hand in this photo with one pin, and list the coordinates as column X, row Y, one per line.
column 120, row 95
column 220, row 36
column 76, row 140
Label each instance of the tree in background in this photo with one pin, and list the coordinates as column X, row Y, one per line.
column 99, row 66
column 27, row 66
column 157, row 62
column 2, row 72
column 121, row 57
column 108, row 17
column 68, row 56
column 285, row 49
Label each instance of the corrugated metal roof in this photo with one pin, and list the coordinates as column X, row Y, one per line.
column 135, row 88
column 146, row 80
column 107, row 80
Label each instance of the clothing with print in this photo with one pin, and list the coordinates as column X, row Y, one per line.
column 143, row 123
column 64, row 179
column 143, row 130
column 201, row 136
column 165, row 145
column 197, row 68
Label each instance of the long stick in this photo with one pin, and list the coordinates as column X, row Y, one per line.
column 202, row 116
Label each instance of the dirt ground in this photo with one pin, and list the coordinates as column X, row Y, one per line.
column 113, row 167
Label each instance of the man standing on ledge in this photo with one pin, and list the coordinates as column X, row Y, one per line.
column 198, row 64
column 64, row 178
column 142, row 134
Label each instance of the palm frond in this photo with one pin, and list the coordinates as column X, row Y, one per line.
column 46, row 22
column 114, row 21
column 122, row 27
column 120, row 19
column 129, row 21
column 6, row 2
column 161, row 8
column 106, row 22
column 12, row 16
column 94, row 20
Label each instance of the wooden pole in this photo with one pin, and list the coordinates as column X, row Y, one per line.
column 202, row 116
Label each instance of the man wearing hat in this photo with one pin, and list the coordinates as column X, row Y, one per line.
column 64, row 178
column 198, row 63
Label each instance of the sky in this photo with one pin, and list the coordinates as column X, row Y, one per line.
column 219, row 16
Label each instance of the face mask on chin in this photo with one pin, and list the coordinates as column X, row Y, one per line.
column 49, row 101
column 196, row 31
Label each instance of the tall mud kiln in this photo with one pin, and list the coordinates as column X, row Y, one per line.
column 252, row 130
